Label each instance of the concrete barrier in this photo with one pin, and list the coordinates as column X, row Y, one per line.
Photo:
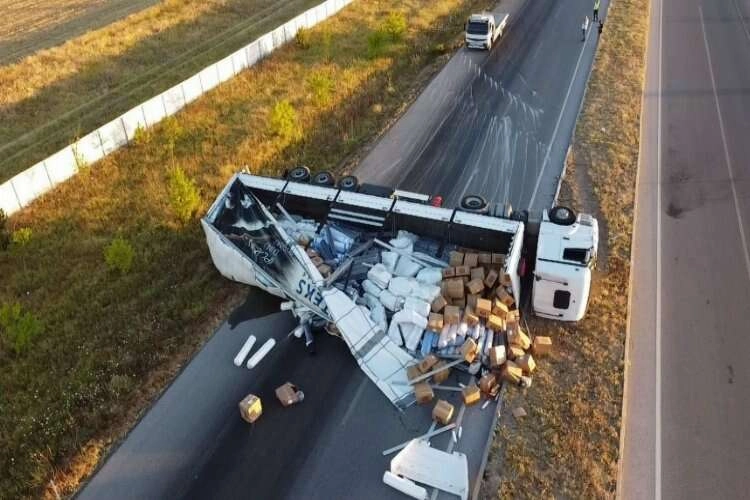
column 25, row 187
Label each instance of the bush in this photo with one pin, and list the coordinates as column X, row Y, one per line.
column 19, row 327
column 376, row 42
column 395, row 26
column 4, row 234
column 283, row 121
column 173, row 132
column 141, row 136
column 119, row 255
column 321, row 86
column 21, row 237
column 303, row 38
column 183, row 195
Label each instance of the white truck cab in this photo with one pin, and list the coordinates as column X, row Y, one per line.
column 482, row 30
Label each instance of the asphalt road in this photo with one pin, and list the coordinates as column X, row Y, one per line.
column 498, row 125
column 686, row 430
column 192, row 444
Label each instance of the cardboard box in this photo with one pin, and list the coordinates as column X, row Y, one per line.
column 471, row 301
column 469, row 350
column 463, row 271
column 443, row 412
column 250, row 408
column 451, row 315
column 511, row 372
column 488, row 384
column 477, row 273
column 289, row 394
column 490, row 279
column 506, row 280
column 435, row 322
column 499, row 309
column 483, row 308
column 527, row 363
column 495, row 322
column 520, row 338
column 470, row 317
column 412, row 372
column 471, row 259
column 454, row 288
column 475, row 286
column 541, row 346
column 427, row 363
column 456, row 259
column 485, row 258
column 515, row 351
column 511, row 323
column 423, row 392
column 460, row 303
column 498, row 258
column 442, row 375
column 316, row 260
column 497, row 356
column 325, row 270
column 504, row 296
column 514, row 313
column 449, row 272
column 471, row 394
column 438, row 304
column 311, row 252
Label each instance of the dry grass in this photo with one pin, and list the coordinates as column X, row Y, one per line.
column 107, row 336
column 49, row 99
column 567, row 447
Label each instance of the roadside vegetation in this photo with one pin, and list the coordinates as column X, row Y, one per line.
column 51, row 98
column 568, row 444
column 115, row 283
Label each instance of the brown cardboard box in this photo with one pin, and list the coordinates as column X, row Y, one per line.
column 485, row 258
column 460, row 303
column 324, row 270
column 451, row 315
column 499, row 309
column 488, row 384
column 495, row 322
column 484, row 308
column 435, row 322
column 469, row 350
column 505, row 280
column 471, row 259
column 470, row 317
column 289, row 394
column 514, row 313
column 542, row 346
column 316, row 260
column 438, row 304
column 251, row 408
column 527, row 363
column 311, row 252
column 463, row 271
column 423, row 392
column 520, row 338
column 443, row 412
column 427, row 363
column 477, row 273
column 504, row 296
column 449, row 272
column 511, row 323
column 442, row 375
column 511, row 372
column 471, row 301
column 456, row 259
column 454, row 288
column 471, row 394
column 412, row 372
column 464, row 280
column 515, row 351
column 475, row 286
column 497, row 356
column 490, row 279
column 498, row 258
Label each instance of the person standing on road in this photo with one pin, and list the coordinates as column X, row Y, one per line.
column 596, row 10
column 584, row 28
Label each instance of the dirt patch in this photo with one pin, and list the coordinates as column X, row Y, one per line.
column 568, row 444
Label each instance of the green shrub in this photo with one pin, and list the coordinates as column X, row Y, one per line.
column 173, row 131
column 119, row 255
column 4, row 234
column 302, row 38
column 321, row 85
column 325, row 43
column 21, row 237
column 183, row 195
column 141, row 136
column 395, row 26
column 376, row 43
column 283, row 121
column 19, row 327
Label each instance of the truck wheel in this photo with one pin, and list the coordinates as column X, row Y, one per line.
column 474, row 203
column 348, row 183
column 299, row 174
column 324, row 179
column 562, row 216
column 502, row 210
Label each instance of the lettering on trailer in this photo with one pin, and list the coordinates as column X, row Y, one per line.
column 311, row 292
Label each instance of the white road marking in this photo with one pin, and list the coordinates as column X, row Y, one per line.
column 742, row 19
column 559, row 120
column 727, row 158
column 657, row 369
column 354, row 401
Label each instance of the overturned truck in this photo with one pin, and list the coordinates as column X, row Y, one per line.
column 396, row 275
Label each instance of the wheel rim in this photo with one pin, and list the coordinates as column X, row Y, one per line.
column 563, row 213
column 347, row 183
column 473, row 203
column 298, row 173
column 322, row 178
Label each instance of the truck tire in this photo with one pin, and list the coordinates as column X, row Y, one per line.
column 299, row 174
column 562, row 216
column 324, row 178
column 502, row 210
column 474, row 203
column 348, row 183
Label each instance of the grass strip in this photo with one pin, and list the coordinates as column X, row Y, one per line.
column 568, row 444
column 114, row 328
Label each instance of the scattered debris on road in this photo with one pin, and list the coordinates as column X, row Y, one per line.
column 289, row 394
column 251, row 408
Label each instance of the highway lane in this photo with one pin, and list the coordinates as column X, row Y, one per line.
column 496, row 125
column 686, row 431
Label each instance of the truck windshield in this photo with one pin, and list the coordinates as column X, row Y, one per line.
column 477, row 28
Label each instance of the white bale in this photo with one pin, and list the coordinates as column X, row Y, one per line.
column 390, row 259
column 244, row 350
column 379, row 275
column 390, row 301
column 370, row 287
column 428, row 293
column 430, row 276
column 400, row 286
column 443, row 340
column 407, row 235
column 407, row 268
column 403, row 244
column 258, row 356
column 419, row 306
column 411, row 325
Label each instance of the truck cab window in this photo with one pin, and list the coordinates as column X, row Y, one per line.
column 477, row 28
column 561, row 299
column 576, row 254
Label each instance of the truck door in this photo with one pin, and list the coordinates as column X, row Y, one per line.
column 560, row 291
